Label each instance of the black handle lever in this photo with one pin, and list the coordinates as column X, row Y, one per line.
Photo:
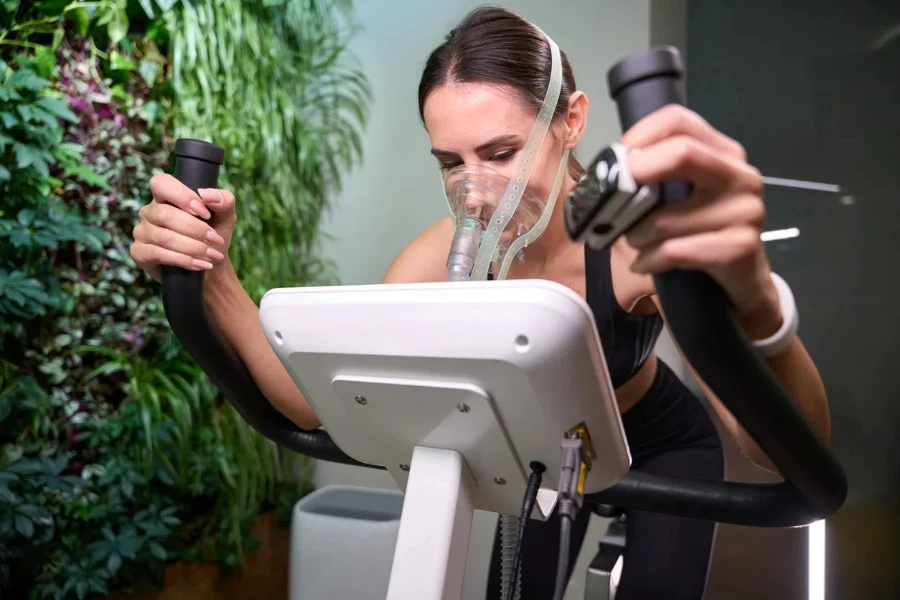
column 197, row 166
column 700, row 317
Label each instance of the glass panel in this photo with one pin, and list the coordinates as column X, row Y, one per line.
column 812, row 90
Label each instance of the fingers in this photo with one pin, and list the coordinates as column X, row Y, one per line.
column 710, row 250
column 698, row 214
column 177, row 242
column 169, row 217
column 674, row 120
column 148, row 256
column 219, row 201
column 167, row 189
column 687, row 159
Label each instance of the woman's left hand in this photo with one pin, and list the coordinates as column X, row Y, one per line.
column 717, row 230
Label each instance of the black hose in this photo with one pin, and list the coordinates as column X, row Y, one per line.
column 562, row 563
column 531, row 492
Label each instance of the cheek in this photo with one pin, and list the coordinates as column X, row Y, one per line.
column 545, row 168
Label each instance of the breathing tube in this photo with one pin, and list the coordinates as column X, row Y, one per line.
column 701, row 321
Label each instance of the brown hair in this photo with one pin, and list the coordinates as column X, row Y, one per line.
column 495, row 45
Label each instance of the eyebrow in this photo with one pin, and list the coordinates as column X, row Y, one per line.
column 488, row 145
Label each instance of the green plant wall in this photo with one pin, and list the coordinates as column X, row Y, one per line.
column 117, row 455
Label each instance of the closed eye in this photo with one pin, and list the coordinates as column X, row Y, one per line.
column 505, row 156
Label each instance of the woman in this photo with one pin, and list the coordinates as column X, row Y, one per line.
column 478, row 98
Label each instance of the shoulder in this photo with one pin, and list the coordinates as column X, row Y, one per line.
column 635, row 292
column 423, row 259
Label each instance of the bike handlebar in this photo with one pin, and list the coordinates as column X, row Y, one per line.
column 699, row 316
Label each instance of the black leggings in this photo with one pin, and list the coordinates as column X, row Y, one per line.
column 669, row 432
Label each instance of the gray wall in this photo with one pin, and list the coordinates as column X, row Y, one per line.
column 397, row 192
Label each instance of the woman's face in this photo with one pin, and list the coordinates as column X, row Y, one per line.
column 480, row 124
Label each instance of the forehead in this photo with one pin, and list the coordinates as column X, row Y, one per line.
column 460, row 116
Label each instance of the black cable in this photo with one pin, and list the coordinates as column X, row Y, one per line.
column 531, row 491
column 562, row 566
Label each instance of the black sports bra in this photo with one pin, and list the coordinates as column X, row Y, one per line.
column 627, row 339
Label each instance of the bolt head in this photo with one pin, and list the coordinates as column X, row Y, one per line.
column 404, row 467
column 361, row 400
column 463, row 407
column 499, row 481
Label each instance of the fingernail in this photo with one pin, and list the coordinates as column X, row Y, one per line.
column 214, row 254
column 199, row 209
column 209, row 196
column 202, row 264
column 214, row 238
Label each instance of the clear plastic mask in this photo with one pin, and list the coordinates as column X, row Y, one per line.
column 474, row 192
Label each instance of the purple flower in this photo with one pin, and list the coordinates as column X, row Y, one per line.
column 134, row 336
column 119, row 120
column 105, row 112
column 78, row 104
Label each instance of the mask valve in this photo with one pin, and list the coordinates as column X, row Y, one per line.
column 464, row 249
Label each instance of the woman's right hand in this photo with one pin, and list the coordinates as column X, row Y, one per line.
column 171, row 230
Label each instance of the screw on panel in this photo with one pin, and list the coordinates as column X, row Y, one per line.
column 463, row 407
column 361, row 400
column 404, row 467
column 499, row 481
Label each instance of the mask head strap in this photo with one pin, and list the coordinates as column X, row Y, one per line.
column 513, row 194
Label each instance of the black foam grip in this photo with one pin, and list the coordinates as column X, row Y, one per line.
column 197, row 166
column 703, row 323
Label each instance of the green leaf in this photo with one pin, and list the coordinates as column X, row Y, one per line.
column 114, row 562
column 152, row 111
column 25, row 217
column 128, row 546
column 24, row 526
column 149, row 70
column 25, row 79
column 81, row 588
column 147, row 5
column 57, row 107
column 4, row 174
column 62, row 340
column 26, row 466
column 82, row 20
column 58, row 36
column 6, row 477
column 158, row 551
column 26, row 155
column 7, row 495
column 35, row 513
column 119, row 62
column 10, row 120
column 118, row 26
column 69, row 150
column 52, row 8
column 88, row 176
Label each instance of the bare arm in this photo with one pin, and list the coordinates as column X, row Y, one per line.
column 801, row 379
column 236, row 315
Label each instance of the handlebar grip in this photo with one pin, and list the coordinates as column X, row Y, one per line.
column 701, row 319
column 197, row 166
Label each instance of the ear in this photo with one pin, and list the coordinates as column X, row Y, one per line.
column 576, row 119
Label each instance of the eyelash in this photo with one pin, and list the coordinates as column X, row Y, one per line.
column 500, row 157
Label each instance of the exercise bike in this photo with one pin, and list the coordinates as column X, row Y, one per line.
column 463, row 391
